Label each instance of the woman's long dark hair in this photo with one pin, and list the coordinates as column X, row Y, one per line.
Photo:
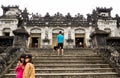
column 22, row 56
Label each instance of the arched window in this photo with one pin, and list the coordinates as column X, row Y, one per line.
column 35, row 30
column 6, row 31
column 108, row 30
column 57, row 30
column 82, row 31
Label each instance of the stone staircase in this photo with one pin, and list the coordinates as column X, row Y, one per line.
column 75, row 63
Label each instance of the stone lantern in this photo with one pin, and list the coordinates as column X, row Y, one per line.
column 98, row 38
column 20, row 38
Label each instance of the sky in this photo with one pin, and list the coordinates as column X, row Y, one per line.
column 63, row 6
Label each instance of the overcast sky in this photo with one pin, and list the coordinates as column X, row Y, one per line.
column 63, row 6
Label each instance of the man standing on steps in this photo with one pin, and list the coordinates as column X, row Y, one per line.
column 60, row 39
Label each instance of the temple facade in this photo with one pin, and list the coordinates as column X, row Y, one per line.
column 44, row 29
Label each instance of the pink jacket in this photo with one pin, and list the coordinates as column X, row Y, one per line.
column 19, row 71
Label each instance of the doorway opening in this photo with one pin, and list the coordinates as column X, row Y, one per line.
column 54, row 39
column 6, row 34
column 79, row 42
column 35, row 42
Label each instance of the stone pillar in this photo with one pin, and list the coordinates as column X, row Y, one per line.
column 69, row 40
column 20, row 38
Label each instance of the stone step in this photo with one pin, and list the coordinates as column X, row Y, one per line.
column 71, row 75
column 71, row 65
column 65, row 53
column 39, row 55
column 70, row 70
column 48, row 61
column 68, row 65
column 40, row 66
column 66, row 50
column 66, row 58
column 75, row 63
column 69, row 62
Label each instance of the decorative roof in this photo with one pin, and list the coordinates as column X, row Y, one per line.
column 103, row 9
column 7, row 8
column 16, row 6
column 56, row 23
column 57, row 20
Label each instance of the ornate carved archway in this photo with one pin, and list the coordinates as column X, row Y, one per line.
column 35, row 38
column 80, row 38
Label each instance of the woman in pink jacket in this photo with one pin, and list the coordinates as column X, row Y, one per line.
column 20, row 67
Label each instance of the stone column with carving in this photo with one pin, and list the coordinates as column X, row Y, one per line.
column 69, row 40
column 46, row 40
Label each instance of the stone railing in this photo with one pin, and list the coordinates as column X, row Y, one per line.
column 111, row 55
column 7, row 58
